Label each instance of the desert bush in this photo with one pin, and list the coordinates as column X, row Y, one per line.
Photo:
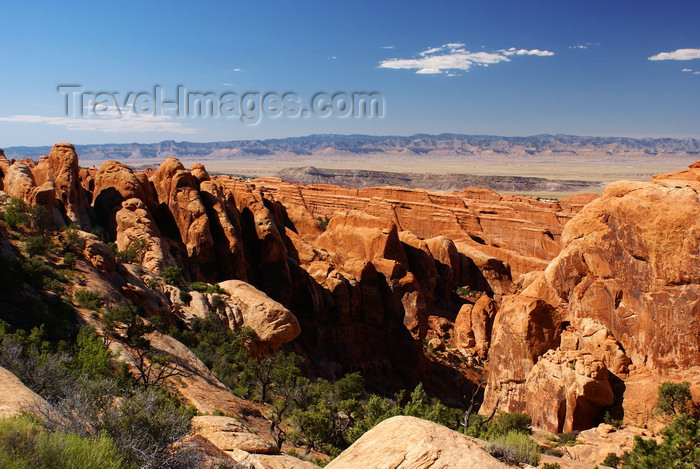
column 515, row 448
column 172, row 275
column 612, row 460
column 72, row 242
column 674, row 398
column 15, row 212
column 88, row 299
column 568, row 438
column 185, row 297
column 38, row 245
column 204, row 287
column 69, row 260
column 92, row 357
column 146, row 425
column 509, row 422
column 323, row 222
column 550, row 465
column 24, row 443
column 680, row 447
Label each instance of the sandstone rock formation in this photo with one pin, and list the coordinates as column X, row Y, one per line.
column 273, row 323
column 227, row 434
column 415, row 443
column 580, row 306
column 61, row 168
column 626, row 286
column 18, row 181
column 176, row 189
column 15, row 397
column 595, row 444
column 135, row 224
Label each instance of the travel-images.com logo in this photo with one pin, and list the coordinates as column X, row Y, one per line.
column 249, row 107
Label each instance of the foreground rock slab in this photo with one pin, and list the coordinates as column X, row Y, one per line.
column 412, row 443
column 15, row 397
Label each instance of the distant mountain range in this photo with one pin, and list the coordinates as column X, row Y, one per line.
column 415, row 145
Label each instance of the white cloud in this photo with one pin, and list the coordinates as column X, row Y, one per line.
column 585, row 45
column 454, row 56
column 696, row 73
column 514, row 51
column 680, row 54
column 388, row 47
column 127, row 123
column 687, row 70
column 227, row 84
column 332, row 57
column 236, row 69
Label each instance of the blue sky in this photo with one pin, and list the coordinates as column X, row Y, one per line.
column 498, row 67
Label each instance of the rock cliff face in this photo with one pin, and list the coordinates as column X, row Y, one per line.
column 621, row 299
column 576, row 307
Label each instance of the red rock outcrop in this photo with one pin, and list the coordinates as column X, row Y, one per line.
column 625, row 287
column 135, row 224
column 521, row 231
column 61, row 168
column 176, row 188
column 18, row 181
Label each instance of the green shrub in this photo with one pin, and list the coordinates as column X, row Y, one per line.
column 42, row 221
column 680, row 447
column 323, row 222
column 16, row 212
column 674, row 398
column 38, row 245
column 72, row 242
column 612, row 460
column 550, row 465
column 172, row 275
column 35, row 271
column 185, row 297
column 568, row 438
column 217, row 302
column 70, row 259
column 608, row 418
column 515, row 448
column 24, row 444
column 127, row 256
column 509, row 422
column 92, row 357
column 204, row 287
column 53, row 285
column 88, row 299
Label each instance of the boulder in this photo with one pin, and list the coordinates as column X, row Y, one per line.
column 273, row 323
column 19, row 181
column 227, row 433
column 414, row 443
